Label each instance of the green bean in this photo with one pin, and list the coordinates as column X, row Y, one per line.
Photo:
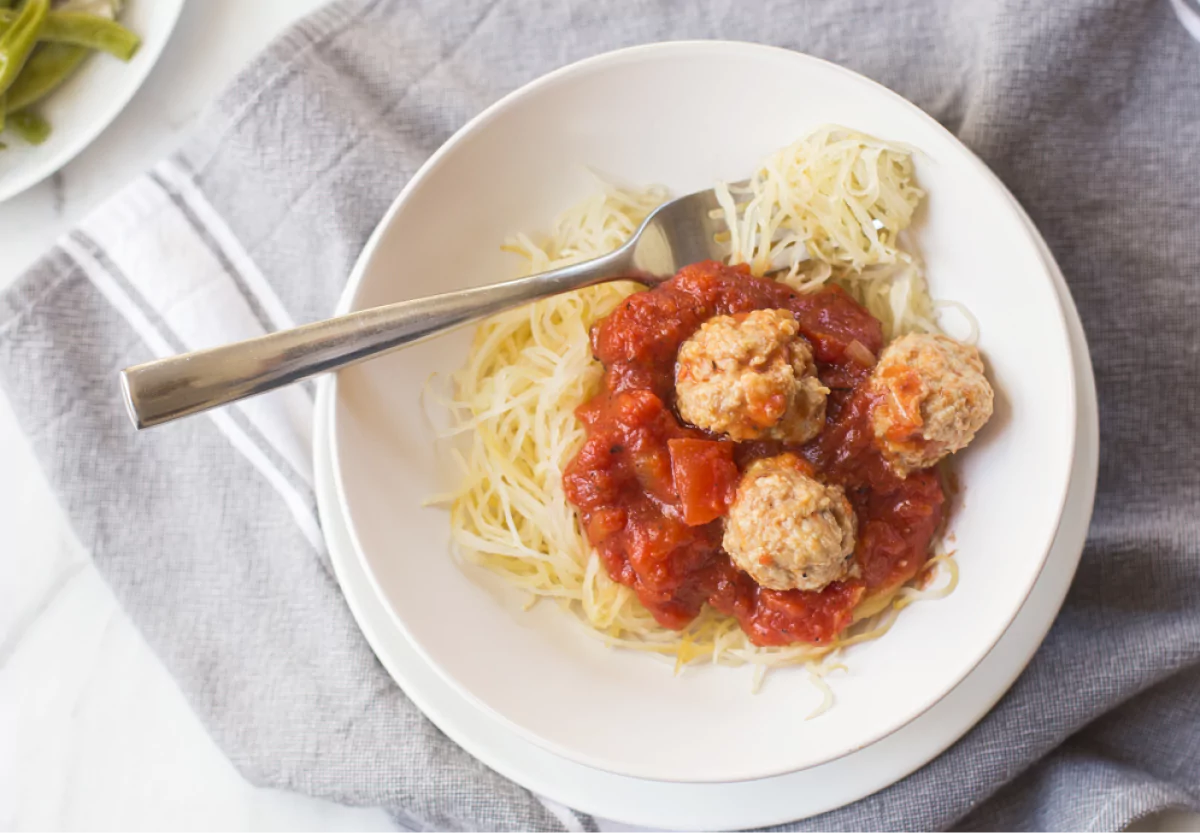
column 49, row 66
column 19, row 40
column 94, row 32
column 29, row 126
column 83, row 29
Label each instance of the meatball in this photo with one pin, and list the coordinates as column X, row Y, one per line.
column 752, row 377
column 933, row 397
column 787, row 530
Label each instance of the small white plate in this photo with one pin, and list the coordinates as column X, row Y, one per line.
column 634, row 114
column 89, row 100
column 745, row 804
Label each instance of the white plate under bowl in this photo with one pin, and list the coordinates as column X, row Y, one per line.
column 745, row 804
column 633, row 114
column 83, row 106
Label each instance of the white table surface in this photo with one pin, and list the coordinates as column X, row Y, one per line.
column 93, row 731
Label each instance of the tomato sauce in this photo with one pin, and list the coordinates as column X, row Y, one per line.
column 651, row 490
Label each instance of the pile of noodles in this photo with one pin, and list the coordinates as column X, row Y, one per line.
column 831, row 207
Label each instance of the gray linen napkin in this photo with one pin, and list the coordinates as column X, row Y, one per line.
column 1088, row 109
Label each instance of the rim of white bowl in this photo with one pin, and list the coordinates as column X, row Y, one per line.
column 353, row 286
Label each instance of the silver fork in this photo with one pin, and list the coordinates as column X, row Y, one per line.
column 675, row 234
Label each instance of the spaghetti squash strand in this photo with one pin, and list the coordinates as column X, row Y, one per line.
column 831, row 207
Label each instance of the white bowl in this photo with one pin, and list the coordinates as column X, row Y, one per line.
column 651, row 114
column 90, row 99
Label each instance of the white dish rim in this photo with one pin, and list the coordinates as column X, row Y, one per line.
column 565, row 782
column 346, row 304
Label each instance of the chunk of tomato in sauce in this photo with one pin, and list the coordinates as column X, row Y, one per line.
column 896, row 527
column 705, row 477
column 781, row 617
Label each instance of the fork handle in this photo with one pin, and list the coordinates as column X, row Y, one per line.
column 167, row 389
